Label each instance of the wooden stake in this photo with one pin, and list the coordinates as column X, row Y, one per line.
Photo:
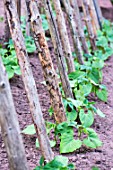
column 58, row 49
column 18, row 2
column 93, row 15
column 7, row 35
column 90, row 8
column 28, row 79
column 88, row 23
column 76, row 12
column 64, row 36
column 98, row 12
column 10, row 126
column 76, row 41
column 46, row 62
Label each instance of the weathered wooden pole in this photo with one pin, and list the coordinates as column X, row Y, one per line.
column 28, row 26
column 9, row 125
column 87, row 19
column 64, row 36
column 73, row 25
column 76, row 12
column 46, row 62
column 18, row 2
column 28, row 79
column 94, row 15
column 58, row 49
column 98, row 12
column 92, row 18
column 7, row 31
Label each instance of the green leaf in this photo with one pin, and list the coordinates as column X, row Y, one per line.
column 99, row 33
column 68, row 143
column 52, row 143
column 71, row 116
column 73, row 83
column 76, row 75
column 99, row 54
column 102, row 94
column 79, row 94
column 44, row 22
column 102, row 86
column 92, row 140
column 17, row 70
column 76, row 103
column 1, row 19
column 37, row 143
column 86, row 88
column 108, row 52
column 49, row 126
column 99, row 64
column 64, row 127
column 94, row 75
column 50, row 110
column 10, row 71
column 100, row 113
column 58, row 162
column 71, row 167
column 102, row 41
column 41, row 161
column 95, row 168
column 30, row 48
column 86, row 119
column 29, row 130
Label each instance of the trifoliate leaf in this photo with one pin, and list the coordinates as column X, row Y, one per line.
column 29, row 130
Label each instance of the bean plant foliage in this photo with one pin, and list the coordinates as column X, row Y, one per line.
column 59, row 163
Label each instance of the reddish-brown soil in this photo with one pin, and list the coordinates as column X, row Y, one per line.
column 84, row 159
